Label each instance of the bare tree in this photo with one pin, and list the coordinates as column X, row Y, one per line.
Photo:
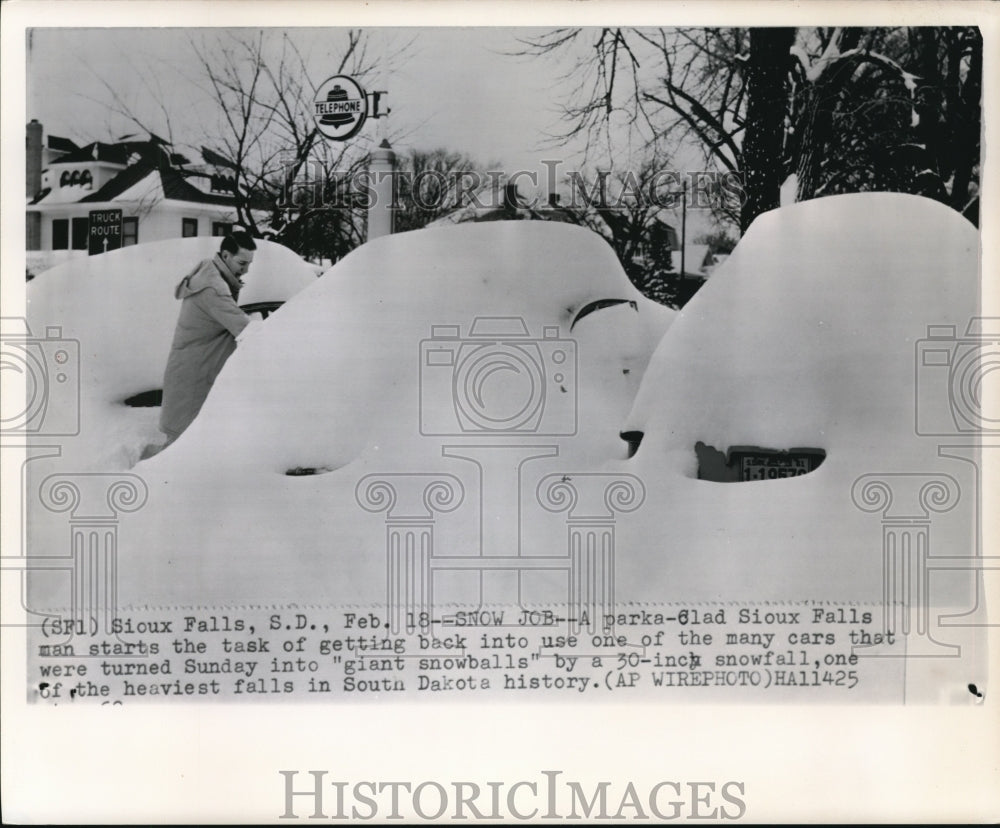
column 844, row 109
column 148, row 86
column 721, row 90
column 671, row 87
column 434, row 182
column 260, row 83
column 637, row 212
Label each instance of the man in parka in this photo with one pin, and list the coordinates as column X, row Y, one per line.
column 208, row 327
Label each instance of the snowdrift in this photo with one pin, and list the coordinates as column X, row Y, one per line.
column 806, row 334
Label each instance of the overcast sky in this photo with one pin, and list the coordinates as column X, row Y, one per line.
column 461, row 89
column 456, row 89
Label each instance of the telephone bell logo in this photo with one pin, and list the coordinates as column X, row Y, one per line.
column 340, row 108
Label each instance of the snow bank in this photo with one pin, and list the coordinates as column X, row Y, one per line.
column 806, row 334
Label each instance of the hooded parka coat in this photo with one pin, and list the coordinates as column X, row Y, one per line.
column 207, row 327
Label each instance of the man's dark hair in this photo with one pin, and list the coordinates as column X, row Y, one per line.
column 236, row 241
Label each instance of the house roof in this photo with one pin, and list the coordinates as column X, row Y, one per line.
column 125, row 180
column 210, row 156
column 54, row 142
column 505, row 205
column 662, row 232
column 477, row 213
column 175, row 186
column 96, row 151
column 171, row 180
column 140, row 159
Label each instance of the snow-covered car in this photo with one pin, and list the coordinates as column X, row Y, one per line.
column 120, row 309
column 358, row 362
column 810, row 339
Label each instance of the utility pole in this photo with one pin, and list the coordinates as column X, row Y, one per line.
column 684, row 214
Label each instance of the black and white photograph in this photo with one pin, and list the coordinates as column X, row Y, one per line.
column 447, row 411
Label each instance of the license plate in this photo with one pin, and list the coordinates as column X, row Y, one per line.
column 773, row 468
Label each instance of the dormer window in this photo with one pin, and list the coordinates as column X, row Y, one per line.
column 77, row 178
column 223, row 184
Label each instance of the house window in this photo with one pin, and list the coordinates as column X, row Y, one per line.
column 81, row 227
column 223, row 184
column 189, row 227
column 60, row 234
column 221, row 228
column 130, row 231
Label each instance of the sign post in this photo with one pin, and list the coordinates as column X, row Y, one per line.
column 340, row 109
column 105, row 231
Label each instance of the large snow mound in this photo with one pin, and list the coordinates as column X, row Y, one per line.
column 345, row 366
column 337, row 382
column 806, row 335
column 809, row 336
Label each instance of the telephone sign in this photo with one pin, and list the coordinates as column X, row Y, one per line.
column 340, row 108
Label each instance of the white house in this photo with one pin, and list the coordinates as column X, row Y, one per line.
column 697, row 261
column 160, row 193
